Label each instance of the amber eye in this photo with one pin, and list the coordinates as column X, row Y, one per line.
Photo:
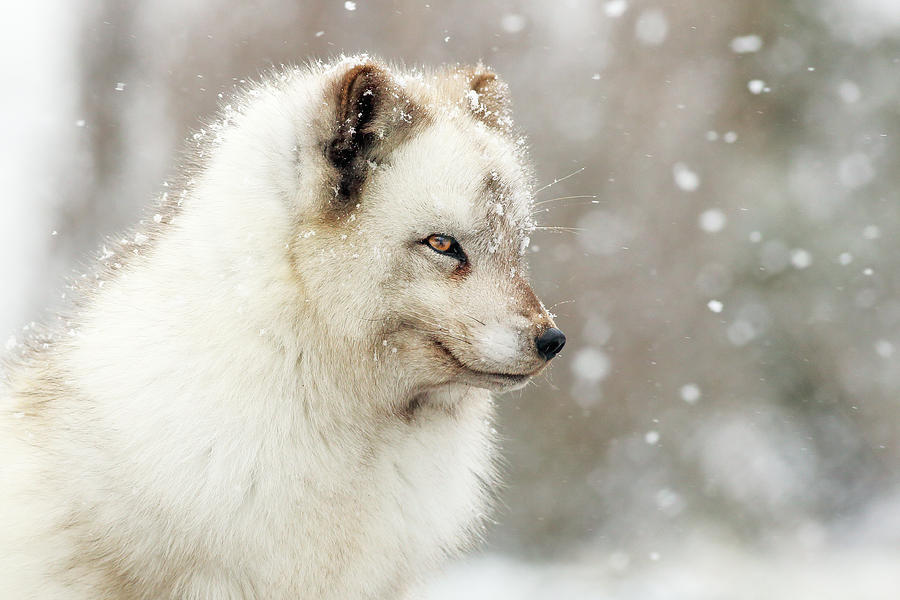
column 441, row 243
column 444, row 244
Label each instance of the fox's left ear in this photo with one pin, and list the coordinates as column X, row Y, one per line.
column 487, row 97
column 373, row 114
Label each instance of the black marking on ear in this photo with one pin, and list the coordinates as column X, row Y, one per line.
column 359, row 92
column 358, row 96
column 371, row 111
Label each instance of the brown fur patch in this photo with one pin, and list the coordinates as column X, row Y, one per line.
column 461, row 271
column 498, row 190
column 530, row 305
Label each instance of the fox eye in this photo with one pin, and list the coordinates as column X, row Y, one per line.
column 444, row 244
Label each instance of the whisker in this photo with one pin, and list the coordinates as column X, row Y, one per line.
column 580, row 197
column 438, row 329
column 555, row 181
column 560, row 302
column 473, row 318
column 441, row 332
column 556, row 228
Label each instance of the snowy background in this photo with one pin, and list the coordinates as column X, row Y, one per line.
column 725, row 421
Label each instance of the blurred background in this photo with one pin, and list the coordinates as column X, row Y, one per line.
column 725, row 420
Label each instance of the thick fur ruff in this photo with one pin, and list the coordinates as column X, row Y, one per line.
column 278, row 386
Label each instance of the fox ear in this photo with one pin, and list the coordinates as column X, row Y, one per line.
column 488, row 97
column 371, row 112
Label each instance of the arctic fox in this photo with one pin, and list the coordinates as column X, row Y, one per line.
column 279, row 386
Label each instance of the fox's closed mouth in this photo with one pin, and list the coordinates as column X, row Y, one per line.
column 509, row 377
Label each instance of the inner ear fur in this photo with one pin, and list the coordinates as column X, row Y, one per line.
column 373, row 114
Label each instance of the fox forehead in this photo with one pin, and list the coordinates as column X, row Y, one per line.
column 457, row 175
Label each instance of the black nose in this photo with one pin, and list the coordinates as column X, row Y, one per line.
column 550, row 343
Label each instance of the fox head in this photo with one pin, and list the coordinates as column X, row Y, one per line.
column 409, row 207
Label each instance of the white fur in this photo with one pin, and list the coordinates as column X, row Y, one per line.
column 220, row 419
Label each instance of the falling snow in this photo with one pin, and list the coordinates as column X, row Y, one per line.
column 652, row 27
column 871, row 232
column 690, row 393
column 615, row 8
column 746, row 44
column 856, row 170
column 756, row 86
column 884, row 348
column 513, row 23
column 801, row 258
column 686, row 179
column 712, row 220
column 849, row 92
column 590, row 365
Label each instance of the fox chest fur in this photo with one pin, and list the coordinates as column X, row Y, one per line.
column 279, row 386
